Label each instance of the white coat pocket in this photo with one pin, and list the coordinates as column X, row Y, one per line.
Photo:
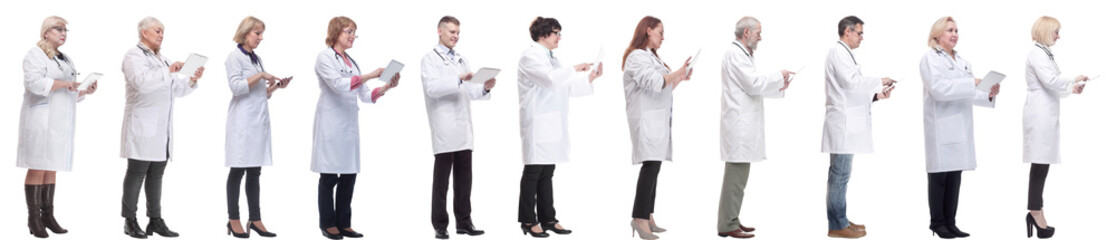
column 143, row 127
column 653, row 126
column 950, row 129
column 857, row 120
column 547, row 127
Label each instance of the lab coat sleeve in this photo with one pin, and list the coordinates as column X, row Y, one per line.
column 366, row 93
column 641, row 67
column 849, row 76
column 476, row 91
column 1048, row 75
column 438, row 80
column 580, row 85
column 744, row 73
column 34, row 76
column 941, row 88
column 182, row 85
column 981, row 100
column 536, row 69
column 238, row 83
column 331, row 75
column 139, row 75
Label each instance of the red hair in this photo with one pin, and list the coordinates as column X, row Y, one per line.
column 641, row 37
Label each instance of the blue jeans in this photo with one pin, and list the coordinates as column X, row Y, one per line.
column 840, row 166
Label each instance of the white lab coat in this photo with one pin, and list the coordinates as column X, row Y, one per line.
column 336, row 133
column 46, row 118
column 248, row 128
column 150, row 91
column 545, row 88
column 948, row 96
column 649, row 106
column 742, row 91
column 1045, row 88
column 447, row 100
column 848, row 102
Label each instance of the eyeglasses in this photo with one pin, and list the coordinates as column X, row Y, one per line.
column 350, row 31
column 557, row 32
column 61, row 29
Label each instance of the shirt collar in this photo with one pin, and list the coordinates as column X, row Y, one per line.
column 251, row 55
column 548, row 52
column 145, row 48
column 446, row 50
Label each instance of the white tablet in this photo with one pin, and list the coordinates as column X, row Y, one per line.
column 192, row 64
column 693, row 61
column 483, row 75
column 89, row 80
column 992, row 78
column 389, row 72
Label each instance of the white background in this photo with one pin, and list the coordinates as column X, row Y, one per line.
column 785, row 197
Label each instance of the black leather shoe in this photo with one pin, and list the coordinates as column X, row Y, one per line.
column 234, row 233
column 331, row 236
column 468, row 228
column 957, row 232
column 526, row 227
column 258, row 231
column 552, row 228
column 441, row 233
column 350, row 234
column 157, row 225
column 132, row 229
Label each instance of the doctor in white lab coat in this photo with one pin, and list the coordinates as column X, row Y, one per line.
column 545, row 88
column 336, row 151
column 46, row 123
column 448, row 87
column 1041, row 132
column 648, row 87
column 743, row 89
column 151, row 84
column 949, row 93
column 848, row 124
column 248, row 129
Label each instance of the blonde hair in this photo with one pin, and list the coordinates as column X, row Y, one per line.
column 50, row 23
column 1043, row 30
column 336, row 25
column 245, row 27
column 147, row 22
column 937, row 30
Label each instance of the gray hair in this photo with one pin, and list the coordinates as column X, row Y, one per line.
column 147, row 23
column 746, row 22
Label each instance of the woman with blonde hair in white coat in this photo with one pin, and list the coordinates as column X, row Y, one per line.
column 248, row 129
column 1041, row 145
column 545, row 88
column 648, row 87
column 151, row 85
column 336, row 150
column 46, row 123
column 949, row 93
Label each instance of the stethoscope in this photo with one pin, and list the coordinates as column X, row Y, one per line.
column 742, row 49
column 337, row 56
column 68, row 63
column 850, row 52
column 447, row 61
column 1044, row 49
column 952, row 62
column 149, row 53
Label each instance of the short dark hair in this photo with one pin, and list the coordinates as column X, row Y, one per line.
column 543, row 27
column 849, row 22
column 448, row 19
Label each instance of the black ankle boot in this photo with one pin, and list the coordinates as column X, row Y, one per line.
column 157, row 225
column 132, row 229
column 957, row 232
column 34, row 217
column 47, row 208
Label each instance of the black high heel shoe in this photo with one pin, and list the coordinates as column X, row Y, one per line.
column 943, row 232
column 527, row 229
column 235, row 234
column 350, row 234
column 330, row 235
column 957, row 232
column 1043, row 233
column 551, row 227
column 258, row 231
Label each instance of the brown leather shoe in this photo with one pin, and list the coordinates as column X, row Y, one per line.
column 736, row 234
column 747, row 229
column 854, row 225
column 848, row 232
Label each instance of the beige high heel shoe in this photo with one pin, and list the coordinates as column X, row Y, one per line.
column 642, row 233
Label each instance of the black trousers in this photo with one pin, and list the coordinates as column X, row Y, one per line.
column 251, row 190
column 944, row 190
column 335, row 212
column 460, row 163
column 536, row 184
column 1036, row 185
column 645, row 190
column 139, row 172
